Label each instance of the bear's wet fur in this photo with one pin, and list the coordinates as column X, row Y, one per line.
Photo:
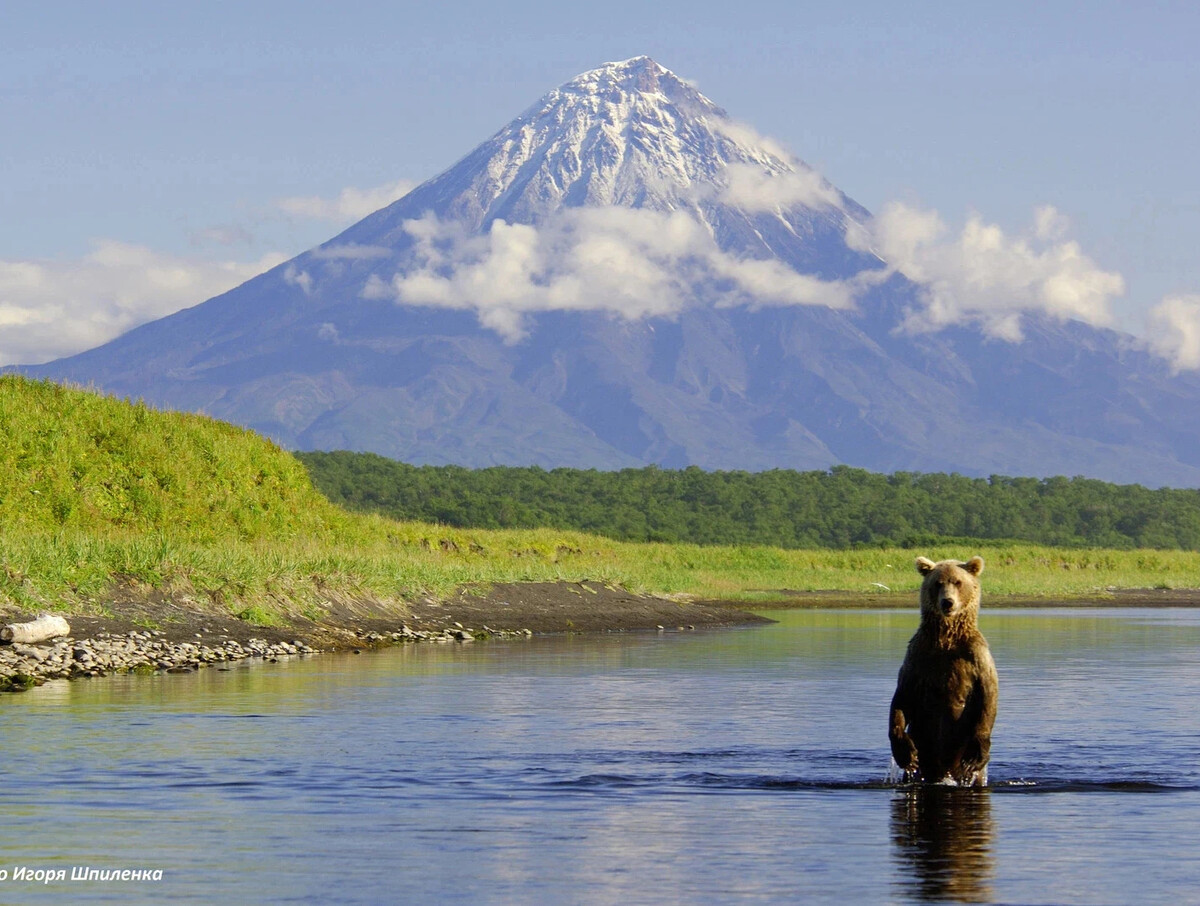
column 945, row 703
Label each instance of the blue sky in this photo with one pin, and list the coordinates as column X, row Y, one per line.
column 156, row 153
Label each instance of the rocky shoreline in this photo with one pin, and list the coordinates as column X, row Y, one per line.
column 144, row 635
column 23, row 666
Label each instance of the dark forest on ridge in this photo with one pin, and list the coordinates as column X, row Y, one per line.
column 839, row 508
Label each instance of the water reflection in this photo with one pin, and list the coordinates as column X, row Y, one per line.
column 942, row 839
column 704, row 767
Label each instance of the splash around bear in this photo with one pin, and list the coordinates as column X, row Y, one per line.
column 940, row 727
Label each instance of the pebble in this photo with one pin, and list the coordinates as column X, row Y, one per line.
column 23, row 666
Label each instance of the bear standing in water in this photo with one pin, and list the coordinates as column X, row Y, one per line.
column 945, row 701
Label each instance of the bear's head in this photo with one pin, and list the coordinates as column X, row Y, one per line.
column 950, row 592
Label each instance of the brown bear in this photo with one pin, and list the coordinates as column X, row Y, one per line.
column 945, row 702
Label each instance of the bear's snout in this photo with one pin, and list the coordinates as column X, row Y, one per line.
column 947, row 602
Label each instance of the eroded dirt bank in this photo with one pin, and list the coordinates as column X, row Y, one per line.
column 541, row 607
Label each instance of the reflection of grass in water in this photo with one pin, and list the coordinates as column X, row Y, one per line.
column 97, row 491
column 1034, row 635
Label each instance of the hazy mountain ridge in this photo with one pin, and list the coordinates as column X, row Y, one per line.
column 329, row 351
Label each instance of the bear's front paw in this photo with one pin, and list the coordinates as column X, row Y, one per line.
column 906, row 762
column 902, row 774
column 976, row 752
column 905, row 754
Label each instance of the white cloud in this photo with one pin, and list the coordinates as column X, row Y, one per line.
column 50, row 309
column 1174, row 331
column 302, row 279
column 1049, row 223
column 634, row 263
column 351, row 203
column 985, row 277
column 756, row 188
column 747, row 136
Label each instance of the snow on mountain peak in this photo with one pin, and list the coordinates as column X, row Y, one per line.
column 624, row 189
column 629, row 133
column 639, row 76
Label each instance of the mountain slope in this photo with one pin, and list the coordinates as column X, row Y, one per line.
column 624, row 275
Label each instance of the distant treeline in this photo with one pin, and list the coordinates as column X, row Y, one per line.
column 839, row 508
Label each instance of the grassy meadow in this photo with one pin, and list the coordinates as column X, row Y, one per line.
column 97, row 493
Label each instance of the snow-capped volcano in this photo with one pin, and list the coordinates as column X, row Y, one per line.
column 627, row 133
column 624, row 275
column 624, row 191
column 632, row 134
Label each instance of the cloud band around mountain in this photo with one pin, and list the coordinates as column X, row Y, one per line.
column 986, row 278
column 640, row 263
column 632, row 262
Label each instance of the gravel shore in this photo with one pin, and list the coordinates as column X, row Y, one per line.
column 24, row 666
column 187, row 637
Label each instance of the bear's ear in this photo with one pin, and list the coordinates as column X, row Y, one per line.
column 974, row 566
column 925, row 565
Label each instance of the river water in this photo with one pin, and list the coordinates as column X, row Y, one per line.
column 741, row 765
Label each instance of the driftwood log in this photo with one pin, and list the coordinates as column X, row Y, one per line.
column 46, row 626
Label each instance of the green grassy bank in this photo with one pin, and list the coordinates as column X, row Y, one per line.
column 98, row 494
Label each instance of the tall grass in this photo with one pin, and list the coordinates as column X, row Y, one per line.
column 397, row 562
column 80, row 462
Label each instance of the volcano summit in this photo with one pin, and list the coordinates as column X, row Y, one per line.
column 625, row 275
